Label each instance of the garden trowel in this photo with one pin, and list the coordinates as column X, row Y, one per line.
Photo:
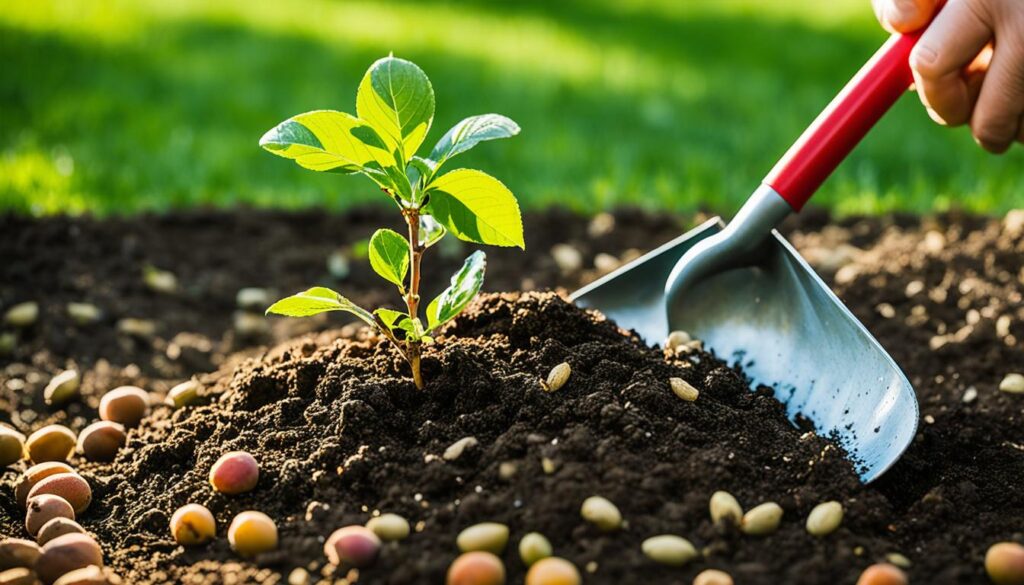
column 751, row 298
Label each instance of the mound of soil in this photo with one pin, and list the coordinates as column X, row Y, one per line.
column 341, row 433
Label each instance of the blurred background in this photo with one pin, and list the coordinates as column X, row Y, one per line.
column 115, row 107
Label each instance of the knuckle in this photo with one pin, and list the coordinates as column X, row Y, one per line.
column 924, row 61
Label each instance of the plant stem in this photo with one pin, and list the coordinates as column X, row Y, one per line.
column 412, row 297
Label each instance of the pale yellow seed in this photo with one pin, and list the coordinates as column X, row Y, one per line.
column 724, row 506
column 534, row 547
column 389, row 527
column 677, row 339
column 713, row 577
column 899, row 560
column 1012, row 384
column 22, row 315
column 183, row 394
column 62, row 388
column 683, row 389
column 669, row 549
column 825, row 518
column 558, row 376
column 601, row 513
column 487, row 536
column 763, row 519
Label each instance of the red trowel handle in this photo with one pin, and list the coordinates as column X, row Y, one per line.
column 864, row 100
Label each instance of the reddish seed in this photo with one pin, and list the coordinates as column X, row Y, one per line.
column 34, row 475
column 42, row 509
column 476, row 568
column 882, row 574
column 553, row 571
column 70, row 486
column 235, row 473
column 352, row 546
column 101, row 440
column 126, row 405
column 68, row 553
column 58, row 527
column 1004, row 563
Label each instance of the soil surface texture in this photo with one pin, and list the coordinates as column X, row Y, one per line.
column 342, row 434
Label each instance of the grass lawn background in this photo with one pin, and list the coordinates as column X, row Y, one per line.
column 122, row 106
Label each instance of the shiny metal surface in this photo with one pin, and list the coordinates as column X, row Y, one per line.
column 754, row 301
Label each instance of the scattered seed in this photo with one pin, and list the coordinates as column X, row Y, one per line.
column 970, row 394
column 898, row 560
column 534, row 547
column 12, row 446
column 352, row 546
column 8, row 341
column 553, row 571
column 724, row 506
column 252, row 533
column 160, row 281
column 18, row 576
column 183, row 394
column 669, row 549
column 68, row 553
column 44, row 508
column 70, row 486
column 389, row 527
column 567, row 258
column 548, row 465
column 253, row 299
column 22, row 315
column 762, row 520
column 91, row 575
column 298, row 576
column 825, row 518
column 677, row 339
column 50, row 443
column 56, row 527
column 605, row 263
column 882, row 574
column 507, row 470
column 558, row 376
column 18, row 552
column 1013, row 384
column 235, row 473
column 601, row 513
column 34, row 475
column 712, row 577
column 456, row 449
column 83, row 313
column 193, row 524
column 101, row 440
column 141, row 328
column 1004, row 563
column 602, row 224
column 62, row 388
column 683, row 389
column 486, row 536
column 476, row 568
column 126, row 405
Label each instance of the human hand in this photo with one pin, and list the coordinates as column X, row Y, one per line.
column 969, row 65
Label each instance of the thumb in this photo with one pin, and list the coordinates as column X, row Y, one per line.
column 904, row 15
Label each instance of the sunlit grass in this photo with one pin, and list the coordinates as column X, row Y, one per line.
column 658, row 103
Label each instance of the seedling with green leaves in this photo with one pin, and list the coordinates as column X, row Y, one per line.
column 395, row 108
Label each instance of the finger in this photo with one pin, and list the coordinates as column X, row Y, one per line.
column 904, row 15
column 995, row 122
column 1020, row 133
column 953, row 40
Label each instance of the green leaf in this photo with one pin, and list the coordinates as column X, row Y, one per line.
column 472, row 131
column 465, row 285
column 326, row 140
column 390, row 317
column 396, row 98
column 476, row 207
column 315, row 301
column 389, row 256
column 431, row 231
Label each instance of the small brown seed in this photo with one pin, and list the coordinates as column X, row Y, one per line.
column 68, row 553
column 18, row 552
column 62, row 388
column 882, row 574
column 58, row 527
column 183, row 394
column 1004, row 563
column 126, row 405
column 669, row 549
column 50, row 443
column 558, row 376
column 252, row 533
column 486, row 536
column 193, row 524
column 18, row 576
column 389, row 527
column 91, row 575
column 42, row 509
column 762, row 520
column 825, row 518
column 12, row 446
column 101, row 440
column 683, row 389
column 70, row 486
column 712, row 577
column 724, row 506
column 34, row 475
column 601, row 513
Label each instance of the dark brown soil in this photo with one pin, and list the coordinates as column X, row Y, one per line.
column 341, row 433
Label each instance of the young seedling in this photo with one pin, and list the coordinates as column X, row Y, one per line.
column 395, row 108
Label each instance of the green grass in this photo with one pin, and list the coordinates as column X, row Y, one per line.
column 123, row 106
